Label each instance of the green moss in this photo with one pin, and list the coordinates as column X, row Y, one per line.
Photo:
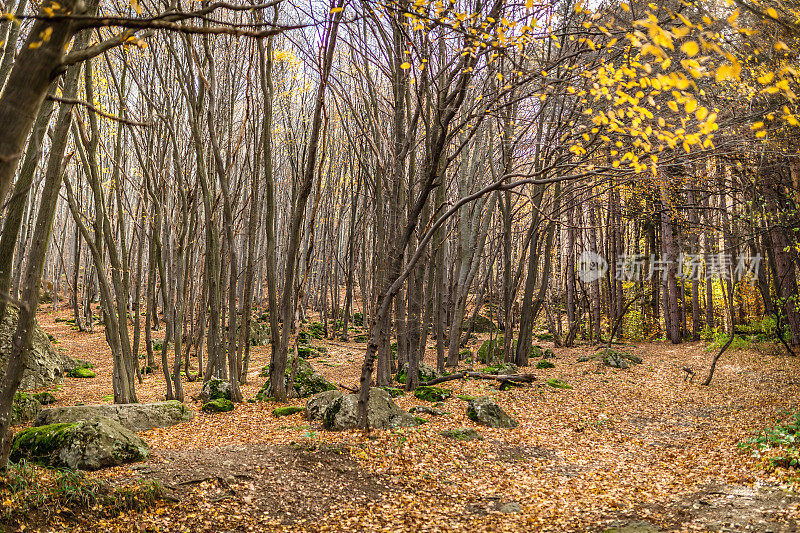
column 44, row 398
column 541, row 365
column 81, row 372
column 220, row 405
column 287, row 410
column 37, row 444
column 501, row 369
column 358, row 319
column 465, row 397
column 462, row 434
column 558, row 384
column 394, row 392
column 432, row 394
column 307, row 382
column 360, row 338
column 419, row 420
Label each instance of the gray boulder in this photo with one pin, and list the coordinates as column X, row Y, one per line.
column 133, row 416
column 87, row 445
column 215, row 389
column 486, row 412
column 319, row 403
column 382, row 412
column 45, row 366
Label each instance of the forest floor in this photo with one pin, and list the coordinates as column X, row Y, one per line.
column 623, row 447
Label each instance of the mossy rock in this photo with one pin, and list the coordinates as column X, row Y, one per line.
column 544, row 364
column 307, row 381
column 220, row 405
column 358, row 319
column 558, row 384
column 44, row 398
column 81, row 372
column 360, row 338
column 482, row 325
column 215, row 389
column 548, row 354
column 424, row 373
column 613, row 358
column 462, row 434
column 484, row 411
column 88, row 445
column 536, row 351
column 394, row 392
column 465, row 397
column 24, row 408
column 419, row 420
column 432, row 394
column 501, row 369
column 287, row 410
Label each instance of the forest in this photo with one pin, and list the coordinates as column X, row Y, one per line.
column 395, row 265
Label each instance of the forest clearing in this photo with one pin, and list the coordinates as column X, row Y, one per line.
column 399, row 265
column 623, row 446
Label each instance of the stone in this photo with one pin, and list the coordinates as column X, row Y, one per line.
column 558, row 384
column 394, row 392
column 307, row 382
column 44, row 398
column 486, row 412
column 287, row 410
column 424, row 373
column 544, row 364
column 45, row 366
column 215, row 389
column 86, row 445
column 432, row 394
column 613, row 358
column 382, row 412
column 316, row 406
column 482, row 324
column 462, row 434
column 501, row 369
column 425, row 410
column 24, row 408
column 510, row 507
column 133, row 416
column 81, row 372
column 220, row 405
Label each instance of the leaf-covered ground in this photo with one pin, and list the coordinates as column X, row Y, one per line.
column 623, row 445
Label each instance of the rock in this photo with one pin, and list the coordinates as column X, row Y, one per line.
column 316, row 406
column 394, row 392
column 612, row 358
column 24, row 408
column 543, row 364
column 462, row 434
column 307, row 382
column 425, row 410
column 432, row 394
column 215, row 389
column 482, row 324
column 45, row 365
column 424, row 373
column 259, row 333
column 287, row 410
column 510, row 507
column 382, row 412
column 490, row 350
column 548, row 354
column 81, row 372
column 86, row 445
column 133, row 416
column 44, row 398
column 501, row 369
column 486, row 412
column 220, row 405
column 558, row 384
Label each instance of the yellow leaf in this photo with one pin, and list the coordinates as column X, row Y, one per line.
column 337, row 9
column 405, row 66
column 766, row 78
column 690, row 48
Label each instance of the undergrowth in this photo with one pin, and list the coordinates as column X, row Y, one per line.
column 32, row 493
column 778, row 446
